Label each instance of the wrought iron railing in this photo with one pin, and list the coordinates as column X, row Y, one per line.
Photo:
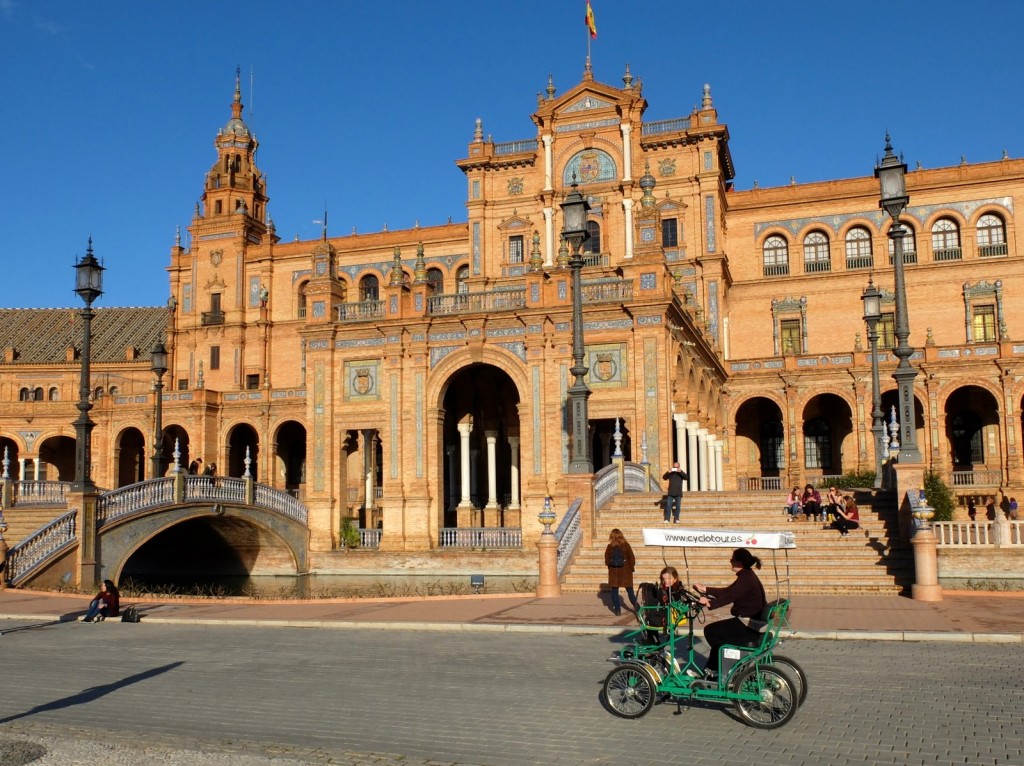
column 359, row 311
column 860, row 262
column 992, row 251
column 480, row 537
column 41, row 492
column 41, row 546
column 814, row 267
column 494, row 300
column 947, row 254
column 665, row 126
column 909, row 257
column 776, row 269
column 515, row 147
column 568, row 534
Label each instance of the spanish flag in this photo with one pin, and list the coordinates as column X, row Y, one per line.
column 591, row 24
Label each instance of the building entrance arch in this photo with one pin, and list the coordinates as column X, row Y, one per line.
column 481, row 448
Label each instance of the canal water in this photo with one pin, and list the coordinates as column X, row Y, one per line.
column 316, row 586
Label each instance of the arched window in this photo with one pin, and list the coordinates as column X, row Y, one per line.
column 301, row 301
column 816, row 254
column 817, row 444
column 98, row 393
column 776, row 256
column 461, row 279
column 54, row 394
column 593, row 243
column 435, row 278
column 858, row 249
column 991, row 236
column 909, row 245
column 946, row 240
column 369, row 288
column 39, row 395
column 114, row 391
column 25, row 395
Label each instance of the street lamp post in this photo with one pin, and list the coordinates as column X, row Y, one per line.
column 891, row 174
column 574, row 232
column 159, row 366
column 872, row 298
column 89, row 286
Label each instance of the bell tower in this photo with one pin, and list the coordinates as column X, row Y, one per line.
column 235, row 190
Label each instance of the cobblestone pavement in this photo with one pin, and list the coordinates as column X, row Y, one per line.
column 254, row 696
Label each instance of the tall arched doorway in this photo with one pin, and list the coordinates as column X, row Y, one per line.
column 58, row 453
column 130, row 454
column 827, row 424
column 481, row 448
column 760, row 443
column 242, row 441
column 290, row 452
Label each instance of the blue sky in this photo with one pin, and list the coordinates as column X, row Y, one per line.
column 110, row 109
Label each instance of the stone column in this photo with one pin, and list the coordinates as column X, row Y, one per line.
column 452, row 499
column 718, row 465
column 693, row 467
column 627, row 207
column 21, row 469
column 702, row 459
column 513, row 445
column 465, row 506
column 549, row 236
column 680, row 423
column 491, row 509
column 548, row 160
column 926, row 566
column 36, row 465
column 712, row 471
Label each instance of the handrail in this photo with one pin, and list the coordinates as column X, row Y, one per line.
column 514, row 147
column 41, row 492
column 41, row 546
column 493, row 300
column 665, row 126
column 569, row 533
column 126, row 501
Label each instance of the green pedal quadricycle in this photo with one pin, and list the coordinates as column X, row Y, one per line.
column 658, row 665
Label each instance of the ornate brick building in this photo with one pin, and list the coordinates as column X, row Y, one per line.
column 417, row 378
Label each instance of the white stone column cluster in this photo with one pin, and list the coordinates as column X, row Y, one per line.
column 513, row 444
column 492, row 468
column 692, row 464
column 464, row 430
column 680, row 424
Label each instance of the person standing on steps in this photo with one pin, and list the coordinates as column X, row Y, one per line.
column 675, row 478
column 621, row 562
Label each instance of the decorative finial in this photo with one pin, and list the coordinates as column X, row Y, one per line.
column 196, row 213
column 792, row 180
column 177, row 236
column 706, row 101
column 478, row 131
column 617, row 438
column 248, row 462
column 562, row 261
column 176, row 467
column 963, row 159
column 588, row 71
column 551, row 87
column 324, row 230
column 647, row 183
column 1006, row 155
column 757, row 184
column 918, row 165
column 627, row 78
column 199, row 377
column 420, row 271
column 397, row 275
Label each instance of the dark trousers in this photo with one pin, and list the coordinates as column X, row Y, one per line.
column 672, row 503
column 617, row 599
column 844, row 525
column 730, row 631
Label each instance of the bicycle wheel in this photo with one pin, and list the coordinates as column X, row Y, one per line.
column 796, row 675
column 629, row 691
column 776, row 702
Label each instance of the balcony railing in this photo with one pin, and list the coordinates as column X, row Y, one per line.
column 984, row 478
column 212, row 317
column 993, row 251
column 947, row 254
column 776, row 269
column 909, row 256
column 860, row 262
column 515, row 147
column 464, row 303
column 665, row 126
column 480, row 537
column 359, row 312
column 595, row 259
column 815, row 267
column 607, row 292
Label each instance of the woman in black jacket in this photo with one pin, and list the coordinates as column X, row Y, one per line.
column 746, row 594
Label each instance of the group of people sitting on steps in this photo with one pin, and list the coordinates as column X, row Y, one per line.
column 837, row 507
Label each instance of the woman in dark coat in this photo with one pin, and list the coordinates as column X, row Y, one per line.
column 620, row 553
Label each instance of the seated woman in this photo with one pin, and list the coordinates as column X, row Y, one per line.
column 107, row 603
column 833, row 502
column 811, row 500
column 669, row 589
column 746, row 594
column 847, row 517
column 793, row 504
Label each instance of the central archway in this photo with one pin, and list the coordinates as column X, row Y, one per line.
column 481, row 448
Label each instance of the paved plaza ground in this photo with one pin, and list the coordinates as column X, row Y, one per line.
column 212, row 694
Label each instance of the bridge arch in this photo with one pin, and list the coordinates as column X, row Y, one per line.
column 263, row 542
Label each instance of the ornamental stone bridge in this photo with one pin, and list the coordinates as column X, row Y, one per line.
column 266, row 529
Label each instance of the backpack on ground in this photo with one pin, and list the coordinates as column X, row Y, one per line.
column 131, row 614
column 617, row 559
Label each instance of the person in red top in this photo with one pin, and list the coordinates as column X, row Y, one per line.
column 847, row 518
column 746, row 594
column 107, row 603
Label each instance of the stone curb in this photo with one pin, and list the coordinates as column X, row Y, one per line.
column 568, row 630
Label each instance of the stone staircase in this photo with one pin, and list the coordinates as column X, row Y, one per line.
column 873, row 559
column 22, row 521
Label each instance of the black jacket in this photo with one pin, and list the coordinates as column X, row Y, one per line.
column 675, row 481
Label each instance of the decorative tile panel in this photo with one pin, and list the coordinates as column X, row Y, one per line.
column 362, row 380
column 709, row 222
column 395, row 430
column 537, row 443
column 563, row 289
column 419, row 425
column 319, row 309
column 254, row 292
column 534, row 293
column 607, row 365
column 516, row 347
column 353, row 343
column 319, row 424
column 437, row 353
column 648, row 281
column 476, row 247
